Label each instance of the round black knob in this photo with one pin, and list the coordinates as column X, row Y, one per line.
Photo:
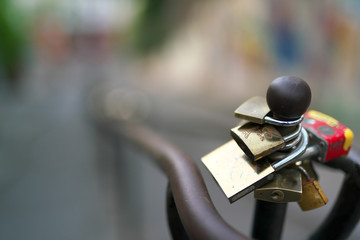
column 288, row 97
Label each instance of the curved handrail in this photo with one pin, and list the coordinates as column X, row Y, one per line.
column 196, row 210
column 345, row 214
column 198, row 214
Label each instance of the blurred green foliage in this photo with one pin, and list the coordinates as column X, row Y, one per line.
column 12, row 40
column 156, row 21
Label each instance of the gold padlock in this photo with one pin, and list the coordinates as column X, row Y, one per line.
column 313, row 196
column 254, row 110
column 257, row 140
column 285, row 187
column 235, row 173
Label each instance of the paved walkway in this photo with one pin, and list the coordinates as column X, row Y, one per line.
column 48, row 181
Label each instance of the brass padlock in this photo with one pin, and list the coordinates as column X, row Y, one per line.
column 254, row 110
column 257, row 140
column 313, row 196
column 285, row 187
column 236, row 174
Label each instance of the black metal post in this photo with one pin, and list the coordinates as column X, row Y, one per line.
column 268, row 220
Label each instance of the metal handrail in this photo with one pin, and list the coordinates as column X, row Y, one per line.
column 192, row 212
column 345, row 214
column 193, row 203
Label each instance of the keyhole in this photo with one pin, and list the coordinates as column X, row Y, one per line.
column 277, row 195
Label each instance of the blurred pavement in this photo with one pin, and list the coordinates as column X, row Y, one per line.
column 59, row 181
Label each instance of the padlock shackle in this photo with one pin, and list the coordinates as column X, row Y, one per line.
column 292, row 143
column 294, row 134
column 294, row 155
column 283, row 123
column 310, row 152
column 303, row 171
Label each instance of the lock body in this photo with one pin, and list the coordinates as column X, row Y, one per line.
column 257, row 140
column 335, row 139
column 254, row 110
column 312, row 196
column 236, row 174
column 285, row 187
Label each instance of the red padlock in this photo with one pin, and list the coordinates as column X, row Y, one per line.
column 334, row 136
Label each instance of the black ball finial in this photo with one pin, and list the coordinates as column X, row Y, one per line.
column 288, row 97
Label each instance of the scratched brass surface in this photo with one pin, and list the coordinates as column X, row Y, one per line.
column 235, row 173
column 254, row 110
column 257, row 141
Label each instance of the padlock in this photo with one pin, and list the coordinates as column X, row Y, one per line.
column 257, row 140
column 234, row 171
column 254, row 110
column 333, row 138
column 238, row 175
column 285, row 187
column 312, row 196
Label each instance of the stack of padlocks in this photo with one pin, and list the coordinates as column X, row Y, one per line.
column 274, row 146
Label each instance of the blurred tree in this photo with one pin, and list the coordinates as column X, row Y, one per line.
column 12, row 42
column 156, row 21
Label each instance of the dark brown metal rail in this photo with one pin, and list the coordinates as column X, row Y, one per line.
column 345, row 214
column 191, row 213
column 195, row 208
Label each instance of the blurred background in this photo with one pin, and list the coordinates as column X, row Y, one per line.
column 181, row 67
